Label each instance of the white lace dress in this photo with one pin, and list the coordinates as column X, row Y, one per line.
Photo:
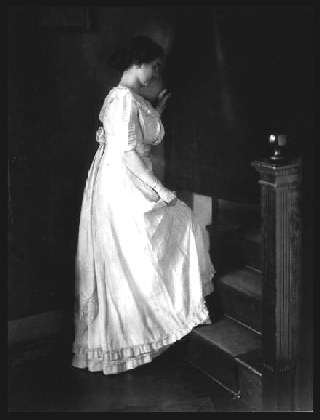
column 142, row 268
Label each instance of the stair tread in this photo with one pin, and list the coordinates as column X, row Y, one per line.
column 245, row 280
column 229, row 336
column 252, row 360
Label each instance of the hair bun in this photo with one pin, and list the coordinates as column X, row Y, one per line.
column 140, row 49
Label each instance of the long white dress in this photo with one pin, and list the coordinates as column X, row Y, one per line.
column 142, row 267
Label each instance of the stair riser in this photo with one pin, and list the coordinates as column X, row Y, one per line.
column 239, row 306
column 250, row 389
column 221, row 367
column 226, row 253
column 212, row 361
column 231, row 252
column 251, row 254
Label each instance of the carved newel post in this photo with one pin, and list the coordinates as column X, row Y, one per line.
column 280, row 179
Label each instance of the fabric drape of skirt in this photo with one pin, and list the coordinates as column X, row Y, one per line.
column 142, row 272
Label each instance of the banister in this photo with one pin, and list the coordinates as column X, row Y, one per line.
column 280, row 182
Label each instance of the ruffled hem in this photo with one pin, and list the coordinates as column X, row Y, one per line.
column 117, row 361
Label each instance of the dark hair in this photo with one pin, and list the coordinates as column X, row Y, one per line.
column 139, row 50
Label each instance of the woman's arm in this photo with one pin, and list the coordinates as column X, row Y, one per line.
column 163, row 97
column 123, row 114
column 136, row 165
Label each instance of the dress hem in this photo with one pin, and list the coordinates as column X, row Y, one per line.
column 117, row 361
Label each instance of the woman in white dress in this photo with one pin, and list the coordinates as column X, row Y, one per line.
column 142, row 267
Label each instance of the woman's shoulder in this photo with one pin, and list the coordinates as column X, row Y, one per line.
column 124, row 91
column 126, row 95
column 121, row 92
column 142, row 103
column 118, row 98
column 118, row 95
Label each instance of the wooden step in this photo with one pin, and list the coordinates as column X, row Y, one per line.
column 235, row 246
column 250, row 379
column 235, row 235
column 251, row 247
column 240, row 296
column 223, row 351
column 235, row 213
column 226, row 247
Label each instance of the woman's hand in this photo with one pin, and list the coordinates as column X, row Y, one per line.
column 144, row 188
column 172, row 202
column 170, row 197
column 163, row 97
column 166, row 195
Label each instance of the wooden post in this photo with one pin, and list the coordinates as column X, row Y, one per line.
column 280, row 180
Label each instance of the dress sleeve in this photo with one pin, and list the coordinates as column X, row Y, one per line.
column 151, row 124
column 159, row 133
column 122, row 122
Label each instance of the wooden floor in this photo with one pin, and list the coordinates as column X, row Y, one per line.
column 167, row 384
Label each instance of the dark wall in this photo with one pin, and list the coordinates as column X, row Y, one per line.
column 239, row 74
column 235, row 74
column 58, row 79
column 50, row 93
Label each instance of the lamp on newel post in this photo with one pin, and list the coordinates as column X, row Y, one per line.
column 280, row 181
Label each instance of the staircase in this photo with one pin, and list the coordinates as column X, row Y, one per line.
column 252, row 348
column 230, row 350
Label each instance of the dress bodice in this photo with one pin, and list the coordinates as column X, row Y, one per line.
column 129, row 122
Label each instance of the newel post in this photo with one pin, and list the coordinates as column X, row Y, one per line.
column 280, row 179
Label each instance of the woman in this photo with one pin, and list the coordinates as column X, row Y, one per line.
column 142, row 269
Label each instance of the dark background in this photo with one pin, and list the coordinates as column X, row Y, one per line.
column 236, row 75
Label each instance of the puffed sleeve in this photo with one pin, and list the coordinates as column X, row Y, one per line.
column 151, row 123
column 121, row 121
column 159, row 132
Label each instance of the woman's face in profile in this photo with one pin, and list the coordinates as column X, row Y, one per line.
column 151, row 92
column 155, row 84
column 149, row 72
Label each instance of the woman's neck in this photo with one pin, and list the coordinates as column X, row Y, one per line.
column 129, row 80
